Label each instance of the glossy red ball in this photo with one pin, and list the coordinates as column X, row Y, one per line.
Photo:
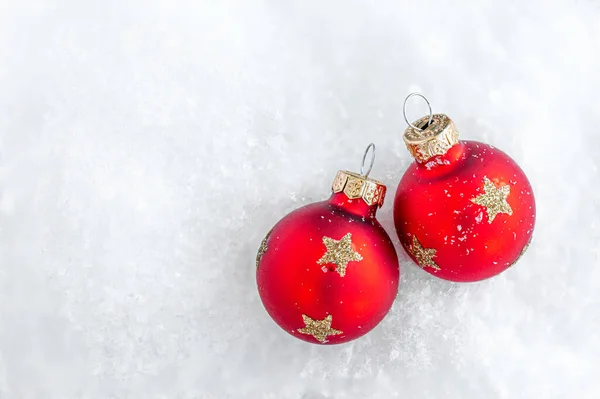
column 466, row 215
column 300, row 280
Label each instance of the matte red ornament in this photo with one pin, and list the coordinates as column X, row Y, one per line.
column 327, row 273
column 464, row 211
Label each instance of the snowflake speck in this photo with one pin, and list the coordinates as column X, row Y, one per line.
column 479, row 217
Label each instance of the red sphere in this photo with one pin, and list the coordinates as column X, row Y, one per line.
column 466, row 215
column 328, row 272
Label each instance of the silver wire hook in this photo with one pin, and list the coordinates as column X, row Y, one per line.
column 404, row 110
column 362, row 167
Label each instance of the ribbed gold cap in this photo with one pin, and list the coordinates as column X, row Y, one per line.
column 357, row 186
column 435, row 139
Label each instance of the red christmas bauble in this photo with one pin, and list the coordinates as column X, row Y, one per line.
column 464, row 210
column 328, row 272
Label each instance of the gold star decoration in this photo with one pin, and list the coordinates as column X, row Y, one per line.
column 494, row 199
column 521, row 254
column 319, row 329
column 424, row 256
column 262, row 249
column 340, row 253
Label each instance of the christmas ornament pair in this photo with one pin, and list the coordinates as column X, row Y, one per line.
column 464, row 211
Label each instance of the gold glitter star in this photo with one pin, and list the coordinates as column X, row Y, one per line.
column 424, row 256
column 521, row 254
column 494, row 199
column 340, row 253
column 263, row 248
column 319, row 329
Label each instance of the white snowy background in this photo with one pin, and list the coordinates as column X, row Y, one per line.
column 146, row 147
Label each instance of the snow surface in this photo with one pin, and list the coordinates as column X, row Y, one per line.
column 146, row 147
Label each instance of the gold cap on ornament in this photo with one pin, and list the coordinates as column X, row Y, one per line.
column 358, row 186
column 429, row 136
column 355, row 185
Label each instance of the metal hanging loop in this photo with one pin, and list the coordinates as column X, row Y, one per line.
column 404, row 110
column 362, row 166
